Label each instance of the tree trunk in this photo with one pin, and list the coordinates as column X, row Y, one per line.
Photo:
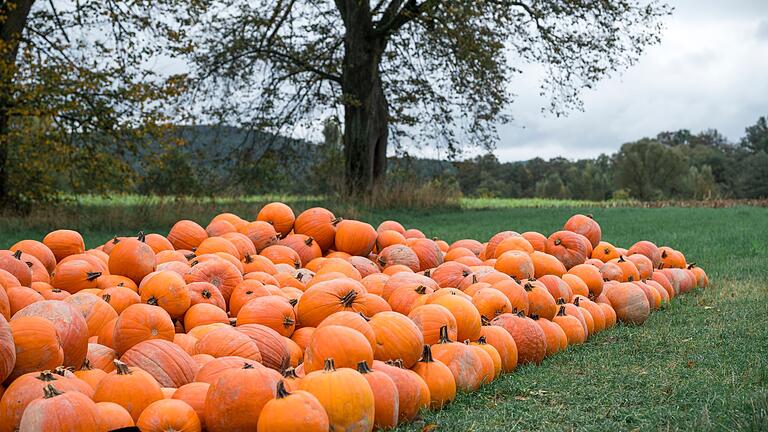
column 13, row 19
column 366, row 117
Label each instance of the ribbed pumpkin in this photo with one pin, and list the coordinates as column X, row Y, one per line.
column 94, row 310
column 202, row 314
column 13, row 264
column 186, row 234
column 529, row 338
column 61, row 411
column 488, row 362
column 131, row 388
column 586, row 226
column 468, row 319
column 235, row 400
column 218, row 272
column 540, row 300
column 168, row 363
column 569, row 247
column 629, row 302
column 326, row 298
column 397, row 337
column 20, row 297
column 305, row 246
column 39, row 250
column 227, row 341
column 412, row 391
column 398, row 254
column 355, row 321
column 101, row 357
column 279, row 216
column 119, row 298
column 545, row 264
column 573, row 328
column 491, row 302
column 385, row 396
column 70, row 326
column 647, row 249
column 261, row 234
column 537, row 240
column 132, row 258
column 76, row 275
column 348, row 410
column 141, row 322
column 292, row 411
column 212, row 368
column 465, row 365
column 439, row 379
column 318, row 223
column 605, row 252
column 516, row 264
column 169, row 415
column 275, row 352
column 355, row 237
column 64, row 243
column 490, row 248
column 112, row 416
column 504, row 344
column 430, row 318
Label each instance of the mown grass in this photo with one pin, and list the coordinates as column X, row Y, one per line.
column 701, row 364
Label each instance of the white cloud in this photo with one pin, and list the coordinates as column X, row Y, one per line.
column 708, row 72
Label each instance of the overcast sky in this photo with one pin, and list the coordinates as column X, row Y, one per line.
column 709, row 71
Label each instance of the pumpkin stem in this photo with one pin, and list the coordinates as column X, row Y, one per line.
column 329, row 365
column 528, row 286
column 29, row 264
column 50, row 391
column 561, row 312
column 421, row 289
column 474, row 278
column 106, row 297
column 152, row 301
column 349, row 298
column 534, row 317
column 560, row 301
column 288, row 321
column 363, row 368
column 248, row 259
column 17, row 254
column 691, row 266
column 426, row 354
column 621, row 258
column 364, row 317
column 382, row 262
column 427, row 272
column 558, row 242
column 297, row 264
column 293, row 302
column 122, row 368
column 281, row 390
column 299, row 276
column 87, row 365
column 121, row 284
column 484, row 320
column 91, row 276
column 309, row 241
column 482, row 341
column 141, row 237
column 336, row 221
column 465, row 273
column 590, row 216
column 206, row 294
column 521, row 314
column 576, row 301
column 46, row 375
column 247, row 366
column 115, row 240
column 290, row 373
column 443, row 335
column 61, row 370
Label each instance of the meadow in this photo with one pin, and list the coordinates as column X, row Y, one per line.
column 699, row 364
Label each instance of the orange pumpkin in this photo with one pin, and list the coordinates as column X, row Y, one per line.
column 385, row 396
column 94, row 310
column 629, row 302
column 37, row 346
column 516, row 264
column 325, row 298
column 291, row 411
column 465, row 365
column 346, row 346
column 75, row 275
column 397, row 337
column 144, row 389
column 529, row 338
column 112, row 416
column 186, row 234
column 569, row 247
column 236, row 399
column 64, row 243
column 355, row 237
column 141, row 322
column 132, row 258
column 220, row 273
column 319, row 224
column 165, row 361
column 167, row 290
column 193, row 394
column 585, row 226
column 70, row 326
column 504, row 344
column 61, row 411
column 169, row 415
column 438, row 377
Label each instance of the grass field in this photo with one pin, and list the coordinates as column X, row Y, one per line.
column 701, row 364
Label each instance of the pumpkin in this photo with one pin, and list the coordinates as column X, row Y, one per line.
column 504, row 344
column 186, row 234
column 385, row 395
column 291, row 411
column 465, row 365
column 473, row 245
column 573, row 328
column 398, row 254
column 101, row 357
column 488, row 362
column 64, row 243
column 20, row 297
column 438, row 377
column 213, row 245
column 540, row 300
column 318, row 223
column 605, row 252
column 493, row 242
column 629, row 271
column 388, row 238
column 346, row 346
column 352, row 409
column 405, row 298
column 450, row 274
column 204, row 292
column 37, row 346
column 226, row 341
column 131, row 388
column 586, row 226
column 7, row 349
column 219, row 227
column 13, row 264
column 355, row 237
column 90, row 375
column 306, row 247
column 202, row 314
column 610, row 271
column 429, row 253
column 273, row 348
column 412, row 391
column 569, row 247
column 529, row 338
column 468, row 319
column 397, row 337
column 648, row 250
column 643, row 265
column 112, row 416
column 119, row 298
column 279, row 216
column 326, row 298
column 132, row 258
column 39, row 250
column 169, row 415
column 556, row 339
column 629, row 302
column 212, row 368
column 236, row 399
column 70, row 326
column 516, row 264
column 355, row 321
column 430, row 318
column 220, row 273
column 193, row 394
column 272, row 311
column 141, row 322
column 302, row 336
column 76, row 275
column 491, row 302
column 165, row 361
column 60, row 411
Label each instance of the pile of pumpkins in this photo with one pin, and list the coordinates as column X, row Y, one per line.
column 305, row 322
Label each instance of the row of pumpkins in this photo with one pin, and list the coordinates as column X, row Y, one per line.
column 299, row 323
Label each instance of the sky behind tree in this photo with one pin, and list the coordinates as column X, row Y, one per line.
column 709, row 71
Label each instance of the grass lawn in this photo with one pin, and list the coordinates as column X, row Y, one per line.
column 701, row 364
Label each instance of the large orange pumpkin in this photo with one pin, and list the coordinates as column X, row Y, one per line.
column 168, row 363
column 326, row 298
column 236, row 399
column 131, row 388
column 69, row 324
column 397, row 337
column 438, row 377
column 37, row 346
column 132, row 258
column 586, row 226
column 569, row 247
column 64, row 243
column 167, row 290
column 466, row 367
column 529, row 338
column 319, row 224
column 292, row 411
column 141, row 322
column 630, row 303
column 346, row 346
column 186, row 234
column 355, row 237
column 61, row 411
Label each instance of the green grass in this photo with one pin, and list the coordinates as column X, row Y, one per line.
column 701, row 364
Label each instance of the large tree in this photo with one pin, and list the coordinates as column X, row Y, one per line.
column 77, row 89
column 428, row 71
